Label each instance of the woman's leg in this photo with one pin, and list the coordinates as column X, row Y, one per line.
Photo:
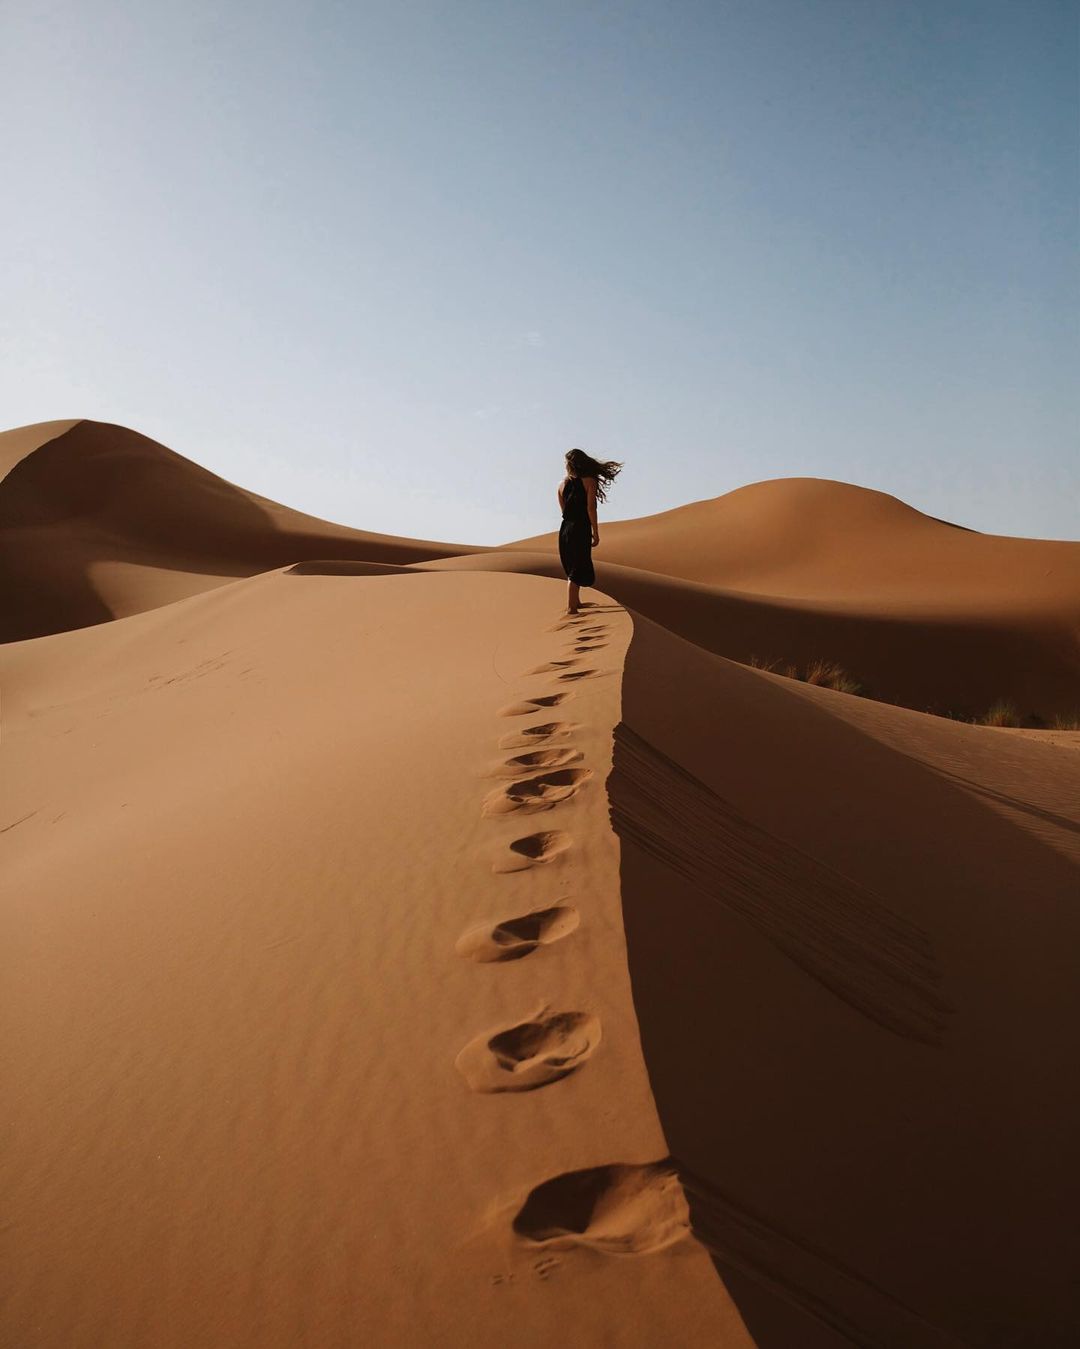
column 573, row 593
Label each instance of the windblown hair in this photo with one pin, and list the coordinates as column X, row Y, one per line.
column 583, row 465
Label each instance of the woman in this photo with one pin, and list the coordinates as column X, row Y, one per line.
column 586, row 483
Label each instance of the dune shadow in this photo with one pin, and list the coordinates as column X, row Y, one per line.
column 856, row 1021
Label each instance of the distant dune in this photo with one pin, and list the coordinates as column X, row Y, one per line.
column 98, row 522
column 390, row 960
column 921, row 612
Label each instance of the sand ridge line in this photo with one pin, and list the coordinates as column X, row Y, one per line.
column 619, row 1209
column 535, row 1052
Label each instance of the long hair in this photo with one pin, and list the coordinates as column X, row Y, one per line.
column 582, row 465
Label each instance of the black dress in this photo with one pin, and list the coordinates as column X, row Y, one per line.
column 575, row 534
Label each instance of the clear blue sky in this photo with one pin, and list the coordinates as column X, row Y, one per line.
column 385, row 262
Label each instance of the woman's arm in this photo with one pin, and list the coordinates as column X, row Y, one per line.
column 561, row 485
column 590, row 497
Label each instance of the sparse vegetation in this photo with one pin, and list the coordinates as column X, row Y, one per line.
column 825, row 674
column 828, row 674
column 1002, row 713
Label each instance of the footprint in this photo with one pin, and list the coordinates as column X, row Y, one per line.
column 536, row 735
column 542, row 792
column 539, row 758
column 581, row 674
column 590, row 646
column 534, row 850
column 551, row 665
column 514, row 938
column 533, row 705
column 616, row 1210
column 530, row 1055
column 545, row 1265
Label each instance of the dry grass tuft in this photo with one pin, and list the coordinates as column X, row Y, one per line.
column 1003, row 713
column 828, row 675
column 825, row 674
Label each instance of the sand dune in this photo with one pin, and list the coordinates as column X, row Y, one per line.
column 919, row 611
column 389, row 960
column 811, row 538
column 99, row 522
column 959, row 664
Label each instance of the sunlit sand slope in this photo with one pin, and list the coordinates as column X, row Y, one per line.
column 318, row 1026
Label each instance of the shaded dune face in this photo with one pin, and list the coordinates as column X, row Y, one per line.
column 863, row 947
column 836, row 930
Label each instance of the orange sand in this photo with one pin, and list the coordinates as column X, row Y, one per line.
column 402, row 964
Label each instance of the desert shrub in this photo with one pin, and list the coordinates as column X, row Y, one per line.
column 828, row 675
column 1066, row 721
column 1003, row 713
column 824, row 673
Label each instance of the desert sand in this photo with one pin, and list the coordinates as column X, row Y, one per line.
column 403, row 963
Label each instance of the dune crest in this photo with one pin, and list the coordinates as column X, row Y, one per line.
column 98, row 522
column 391, row 958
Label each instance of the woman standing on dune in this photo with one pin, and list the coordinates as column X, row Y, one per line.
column 586, row 483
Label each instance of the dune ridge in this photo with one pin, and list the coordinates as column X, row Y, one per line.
column 99, row 522
column 390, row 959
